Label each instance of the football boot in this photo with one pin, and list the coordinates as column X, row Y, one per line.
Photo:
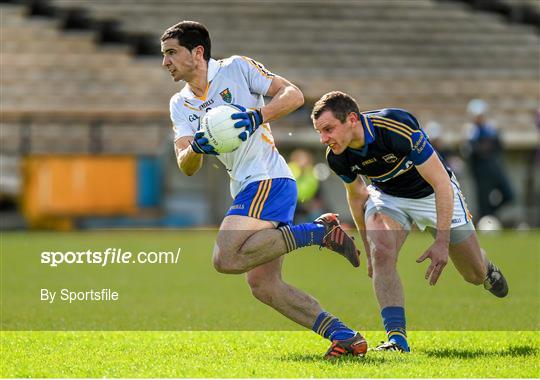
column 355, row 346
column 495, row 282
column 336, row 239
column 389, row 346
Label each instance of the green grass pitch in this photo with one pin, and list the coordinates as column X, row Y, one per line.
column 186, row 320
column 261, row 354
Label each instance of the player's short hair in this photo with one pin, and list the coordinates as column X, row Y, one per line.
column 339, row 103
column 190, row 34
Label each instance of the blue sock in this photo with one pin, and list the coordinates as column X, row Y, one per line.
column 394, row 324
column 302, row 235
column 331, row 327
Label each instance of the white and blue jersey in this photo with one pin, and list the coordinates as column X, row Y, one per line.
column 235, row 80
column 262, row 184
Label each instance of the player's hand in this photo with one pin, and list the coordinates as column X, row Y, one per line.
column 250, row 120
column 201, row 145
column 438, row 254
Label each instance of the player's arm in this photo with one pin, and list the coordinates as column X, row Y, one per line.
column 433, row 171
column 286, row 98
column 188, row 161
column 357, row 195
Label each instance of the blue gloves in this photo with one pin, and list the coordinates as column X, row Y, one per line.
column 250, row 120
column 200, row 144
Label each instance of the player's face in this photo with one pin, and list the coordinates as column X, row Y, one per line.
column 334, row 133
column 179, row 61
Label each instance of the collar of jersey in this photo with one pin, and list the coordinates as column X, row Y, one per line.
column 213, row 68
column 369, row 135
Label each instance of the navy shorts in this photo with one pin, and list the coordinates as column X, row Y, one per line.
column 273, row 200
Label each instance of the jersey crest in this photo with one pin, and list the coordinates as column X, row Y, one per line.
column 226, row 95
column 390, row 158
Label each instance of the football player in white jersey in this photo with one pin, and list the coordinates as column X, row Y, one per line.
column 257, row 230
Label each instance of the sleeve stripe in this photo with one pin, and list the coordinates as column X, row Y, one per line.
column 263, row 73
column 381, row 124
column 397, row 124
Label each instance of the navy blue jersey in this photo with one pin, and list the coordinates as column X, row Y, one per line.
column 394, row 144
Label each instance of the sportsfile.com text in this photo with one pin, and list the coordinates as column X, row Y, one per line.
column 109, row 256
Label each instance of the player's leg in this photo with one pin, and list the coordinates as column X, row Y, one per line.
column 268, row 286
column 472, row 262
column 466, row 255
column 234, row 232
column 469, row 259
column 243, row 243
column 385, row 236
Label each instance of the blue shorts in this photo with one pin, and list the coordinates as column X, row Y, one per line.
column 271, row 199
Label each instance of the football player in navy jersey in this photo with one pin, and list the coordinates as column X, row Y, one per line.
column 409, row 184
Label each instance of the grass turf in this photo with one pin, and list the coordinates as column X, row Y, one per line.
column 262, row 354
column 192, row 296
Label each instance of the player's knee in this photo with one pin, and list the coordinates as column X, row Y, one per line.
column 382, row 255
column 227, row 264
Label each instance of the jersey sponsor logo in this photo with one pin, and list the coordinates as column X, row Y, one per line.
column 355, row 169
column 193, row 118
column 237, row 207
column 390, row 158
column 206, row 104
column 370, row 161
column 226, row 95
column 420, row 144
column 457, row 220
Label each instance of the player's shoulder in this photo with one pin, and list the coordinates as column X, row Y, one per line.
column 178, row 99
column 180, row 103
column 232, row 66
column 397, row 117
column 234, row 61
column 228, row 61
column 244, row 63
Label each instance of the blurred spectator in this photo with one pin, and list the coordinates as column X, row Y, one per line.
column 310, row 203
column 484, row 153
column 435, row 133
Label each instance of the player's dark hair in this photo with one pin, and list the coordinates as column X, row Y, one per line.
column 190, row 34
column 338, row 102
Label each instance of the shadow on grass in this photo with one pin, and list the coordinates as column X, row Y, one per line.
column 371, row 360
column 514, row 351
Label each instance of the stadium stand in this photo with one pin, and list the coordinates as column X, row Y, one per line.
column 85, row 76
column 63, row 84
column 428, row 56
column 517, row 11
